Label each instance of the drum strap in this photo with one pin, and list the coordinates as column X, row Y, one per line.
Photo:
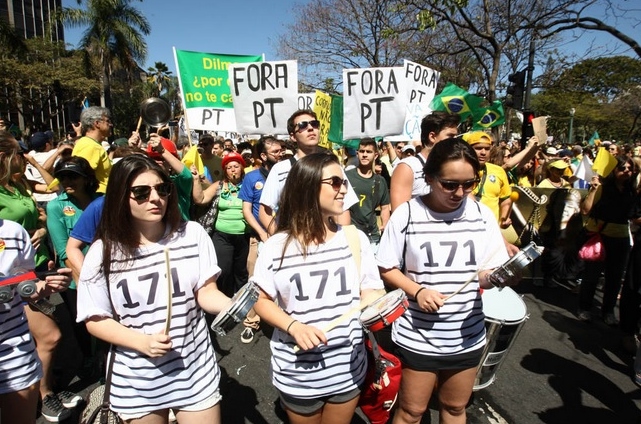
column 354, row 243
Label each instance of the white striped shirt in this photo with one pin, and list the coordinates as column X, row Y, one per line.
column 315, row 290
column 188, row 374
column 19, row 363
column 443, row 252
column 419, row 185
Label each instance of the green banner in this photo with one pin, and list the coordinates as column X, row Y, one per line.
column 204, row 80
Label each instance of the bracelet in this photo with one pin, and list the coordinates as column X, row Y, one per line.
column 290, row 326
column 417, row 292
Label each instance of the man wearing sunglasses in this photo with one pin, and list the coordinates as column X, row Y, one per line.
column 407, row 179
column 303, row 128
column 211, row 160
column 96, row 126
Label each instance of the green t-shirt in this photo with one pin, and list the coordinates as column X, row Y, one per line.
column 371, row 192
column 230, row 218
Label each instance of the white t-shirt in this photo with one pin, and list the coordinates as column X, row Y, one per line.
column 419, row 186
column 19, row 363
column 32, row 174
column 442, row 252
column 276, row 181
column 189, row 373
column 315, row 290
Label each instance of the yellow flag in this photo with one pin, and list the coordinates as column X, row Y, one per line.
column 604, row 162
column 193, row 158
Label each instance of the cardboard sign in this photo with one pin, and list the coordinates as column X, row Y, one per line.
column 265, row 95
column 374, row 102
column 323, row 109
column 539, row 125
column 204, row 85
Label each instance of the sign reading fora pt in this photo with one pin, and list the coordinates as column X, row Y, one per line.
column 265, row 95
column 204, row 84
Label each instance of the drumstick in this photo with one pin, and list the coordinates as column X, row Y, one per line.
column 365, row 302
column 139, row 124
column 480, row 268
column 169, row 291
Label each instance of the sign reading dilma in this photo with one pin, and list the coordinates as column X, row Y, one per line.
column 205, row 89
column 374, row 102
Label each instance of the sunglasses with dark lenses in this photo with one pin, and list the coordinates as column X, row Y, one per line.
column 451, row 186
column 624, row 168
column 303, row 124
column 142, row 192
column 68, row 176
column 335, row 182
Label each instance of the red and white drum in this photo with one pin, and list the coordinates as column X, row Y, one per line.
column 384, row 310
column 505, row 313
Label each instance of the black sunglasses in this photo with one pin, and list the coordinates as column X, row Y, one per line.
column 335, row 182
column 141, row 193
column 303, row 124
column 451, row 186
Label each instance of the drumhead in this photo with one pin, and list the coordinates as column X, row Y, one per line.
column 382, row 306
column 503, row 305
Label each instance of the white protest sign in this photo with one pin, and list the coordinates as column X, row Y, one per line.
column 306, row 101
column 374, row 102
column 265, row 95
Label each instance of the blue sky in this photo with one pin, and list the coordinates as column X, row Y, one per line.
column 253, row 26
column 227, row 26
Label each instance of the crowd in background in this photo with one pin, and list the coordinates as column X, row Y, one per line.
column 60, row 191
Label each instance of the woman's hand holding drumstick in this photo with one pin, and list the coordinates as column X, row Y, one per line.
column 318, row 336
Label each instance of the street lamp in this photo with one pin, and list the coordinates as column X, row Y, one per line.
column 571, row 122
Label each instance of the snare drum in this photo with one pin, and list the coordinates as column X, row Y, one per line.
column 241, row 304
column 384, row 310
column 505, row 313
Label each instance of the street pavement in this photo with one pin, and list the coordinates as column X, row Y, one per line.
column 559, row 370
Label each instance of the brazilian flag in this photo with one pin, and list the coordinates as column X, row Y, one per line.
column 454, row 99
column 488, row 117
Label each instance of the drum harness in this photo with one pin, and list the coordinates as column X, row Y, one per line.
column 535, row 215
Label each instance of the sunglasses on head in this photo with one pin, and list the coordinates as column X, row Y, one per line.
column 141, row 193
column 451, row 186
column 335, row 182
column 303, row 124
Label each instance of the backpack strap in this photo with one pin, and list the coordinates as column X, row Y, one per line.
column 354, row 242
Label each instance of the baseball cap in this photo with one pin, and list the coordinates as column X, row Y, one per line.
column 64, row 167
column 476, row 137
column 559, row 164
column 551, row 151
column 38, row 140
column 408, row 147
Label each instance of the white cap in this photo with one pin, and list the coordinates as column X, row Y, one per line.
column 408, row 147
column 551, row 151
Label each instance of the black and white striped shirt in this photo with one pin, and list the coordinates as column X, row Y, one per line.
column 315, row 290
column 189, row 373
column 443, row 251
column 19, row 363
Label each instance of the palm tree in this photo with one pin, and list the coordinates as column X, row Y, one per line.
column 114, row 34
column 160, row 76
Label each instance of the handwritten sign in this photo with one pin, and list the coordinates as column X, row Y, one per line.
column 374, row 102
column 323, row 109
column 205, row 88
column 265, row 95
column 306, row 101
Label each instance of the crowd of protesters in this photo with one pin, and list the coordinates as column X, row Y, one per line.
column 272, row 212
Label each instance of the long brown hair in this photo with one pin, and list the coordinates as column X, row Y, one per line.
column 8, row 150
column 116, row 228
column 299, row 212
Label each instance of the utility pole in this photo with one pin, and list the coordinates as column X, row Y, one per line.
column 526, row 130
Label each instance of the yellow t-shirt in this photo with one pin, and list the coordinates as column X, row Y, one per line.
column 493, row 188
column 96, row 155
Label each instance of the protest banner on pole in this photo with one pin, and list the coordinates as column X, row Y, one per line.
column 265, row 95
column 323, row 109
column 204, row 85
column 374, row 102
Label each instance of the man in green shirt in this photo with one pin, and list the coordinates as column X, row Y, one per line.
column 372, row 193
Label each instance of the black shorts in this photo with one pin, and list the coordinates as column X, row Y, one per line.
column 418, row 362
column 309, row 406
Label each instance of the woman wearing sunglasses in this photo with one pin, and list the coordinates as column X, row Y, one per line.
column 307, row 267
column 124, row 295
column 444, row 239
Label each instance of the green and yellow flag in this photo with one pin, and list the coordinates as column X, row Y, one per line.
column 488, row 117
column 454, row 99
column 595, row 140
